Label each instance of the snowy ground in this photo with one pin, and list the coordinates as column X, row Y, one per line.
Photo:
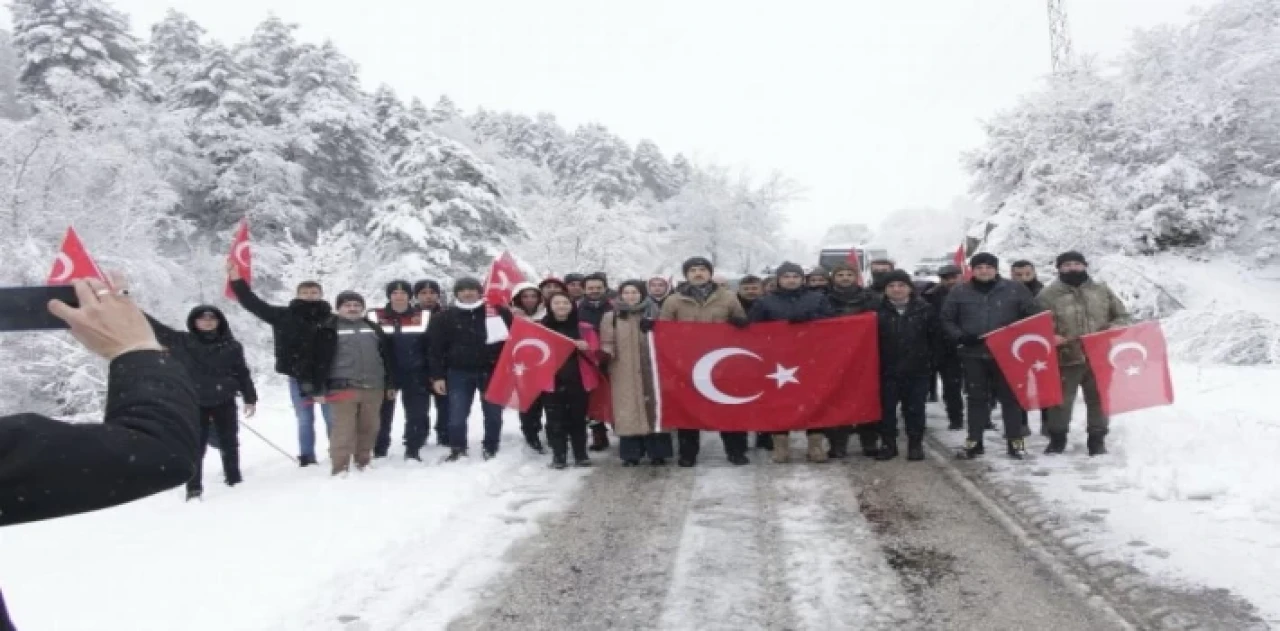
column 1189, row 494
column 291, row 548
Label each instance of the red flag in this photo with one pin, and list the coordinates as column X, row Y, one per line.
column 241, row 256
column 770, row 377
column 600, row 402
column 1132, row 367
column 73, row 262
column 1028, row 358
column 528, row 365
column 504, row 274
column 962, row 263
column 852, row 259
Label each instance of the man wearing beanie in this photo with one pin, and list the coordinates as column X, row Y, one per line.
column 1080, row 306
column 574, row 284
column 406, row 325
column 350, row 364
column 845, row 297
column 948, row 369
column 700, row 300
column 465, row 342
column 973, row 309
column 910, row 343
column 817, row 280
column 427, row 294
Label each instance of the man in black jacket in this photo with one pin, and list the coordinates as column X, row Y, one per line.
column 466, row 341
column 948, row 368
column 795, row 303
column 145, row 444
column 406, row 326
column 1024, row 272
column 427, row 292
column 910, row 343
column 291, row 324
column 971, row 311
column 591, row 309
column 215, row 361
column 846, row 297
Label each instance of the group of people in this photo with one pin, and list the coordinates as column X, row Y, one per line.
column 424, row 352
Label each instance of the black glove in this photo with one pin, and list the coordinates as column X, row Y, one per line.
column 739, row 322
column 970, row 340
column 646, row 325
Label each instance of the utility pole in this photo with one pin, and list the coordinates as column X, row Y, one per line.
column 1059, row 37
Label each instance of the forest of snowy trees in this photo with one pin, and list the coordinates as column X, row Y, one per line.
column 155, row 149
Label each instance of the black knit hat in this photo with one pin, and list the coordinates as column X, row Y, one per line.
column 348, row 296
column 788, row 268
column 640, row 286
column 984, row 258
column 948, row 270
column 842, row 266
column 465, row 283
column 398, row 284
column 818, row 270
column 898, row 276
column 697, row 261
column 574, row 278
column 1070, row 256
column 426, row 284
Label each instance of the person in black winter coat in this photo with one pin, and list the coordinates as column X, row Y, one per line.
column 145, row 444
column 406, row 327
column 910, row 343
column 466, row 341
column 215, row 361
column 291, row 324
column 972, row 310
column 750, row 289
column 795, row 303
column 948, row 369
column 846, row 297
column 427, row 298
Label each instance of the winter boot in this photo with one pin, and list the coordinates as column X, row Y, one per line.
column 1057, row 444
column 630, row 463
column 956, row 425
column 1017, row 449
column 559, row 461
column 194, row 494
column 870, row 443
column 306, row 461
column 817, row 447
column 455, row 455
column 888, row 448
column 915, row 448
column 972, row 449
column 1097, row 444
column 599, row 437
column 838, row 438
column 764, row 441
column 380, row 454
column 782, row 449
column 535, row 443
column 687, row 462
column 582, row 462
column 489, row 454
column 737, row 459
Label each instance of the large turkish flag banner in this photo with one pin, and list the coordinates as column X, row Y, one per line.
column 528, row 365
column 1028, row 359
column 503, row 276
column 769, row 377
column 1131, row 365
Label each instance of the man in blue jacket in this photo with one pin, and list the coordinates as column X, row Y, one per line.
column 406, row 325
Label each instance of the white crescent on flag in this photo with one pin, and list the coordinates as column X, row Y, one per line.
column 1023, row 340
column 538, row 344
column 1126, row 346
column 241, row 253
column 64, row 263
column 706, row 386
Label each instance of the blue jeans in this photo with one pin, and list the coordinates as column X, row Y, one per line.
column 306, row 415
column 462, row 386
column 911, row 392
column 416, row 399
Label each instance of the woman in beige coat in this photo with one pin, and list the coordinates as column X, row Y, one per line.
column 624, row 339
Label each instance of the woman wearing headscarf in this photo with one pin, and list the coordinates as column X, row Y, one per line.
column 565, row 398
column 527, row 303
column 623, row 341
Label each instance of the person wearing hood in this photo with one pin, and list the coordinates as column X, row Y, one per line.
column 349, row 362
column 406, row 326
column 949, row 363
column 794, row 303
column 527, row 303
column 565, row 398
column 466, row 341
column 551, row 286
column 972, row 310
column 658, row 289
column 1080, row 306
column 573, row 283
column 846, row 297
column 910, row 344
column 215, row 361
column 817, row 279
column 625, row 346
column 428, row 298
column 880, row 269
column 291, row 326
column 700, row 300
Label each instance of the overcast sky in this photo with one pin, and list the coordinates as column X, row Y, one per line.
column 868, row 104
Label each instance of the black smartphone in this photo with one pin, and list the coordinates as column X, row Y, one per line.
column 27, row 308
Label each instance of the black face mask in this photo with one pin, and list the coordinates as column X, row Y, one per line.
column 1074, row 278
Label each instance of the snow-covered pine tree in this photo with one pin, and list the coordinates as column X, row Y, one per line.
column 333, row 136
column 654, row 170
column 445, row 110
column 597, row 164
column 175, row 50
column 683, row 169
column 68, row 46
column 9, row 104
column 444, row 211
column 267, row 56
column 418, row 110
column 395, row 124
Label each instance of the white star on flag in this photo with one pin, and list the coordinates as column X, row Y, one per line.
column 518, row 369
column 1040, row 365
column 784, row 375
column 1133, row 371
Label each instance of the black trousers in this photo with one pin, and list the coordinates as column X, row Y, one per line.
column 531, row 420
column 982, row 377
column 566, row 422
column 655, row 446
column 223, row 419
column 735, row 443
column 952, row 374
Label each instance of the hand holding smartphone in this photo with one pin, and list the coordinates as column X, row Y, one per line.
column 27, row 308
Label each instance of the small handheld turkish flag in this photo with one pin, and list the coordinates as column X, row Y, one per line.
column 1131, row 365
column 1028, row 358
column 504, row 274
column 962, row 263
column 528, row 365
column 770, row 377
column 241, row 257
column 853, row 261
column 73, row 262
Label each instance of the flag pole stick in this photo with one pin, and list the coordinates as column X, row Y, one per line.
column 264, row 439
